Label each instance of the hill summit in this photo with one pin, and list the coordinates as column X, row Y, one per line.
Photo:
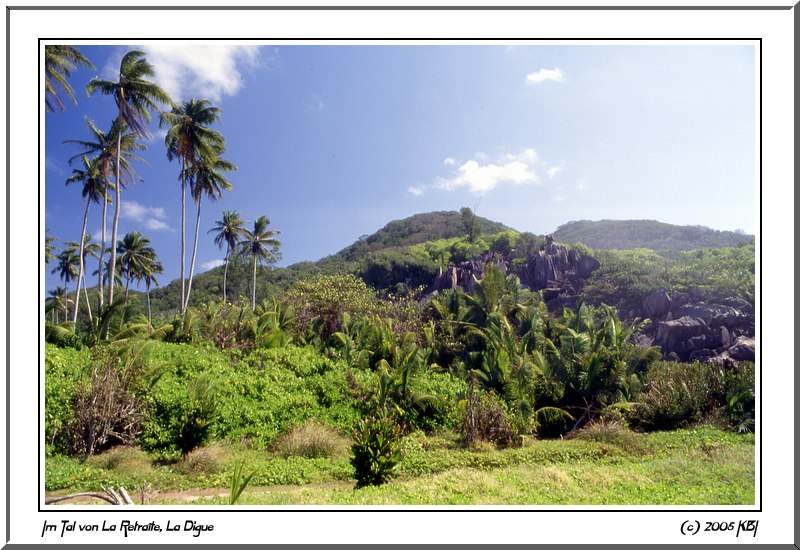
column 631, row 234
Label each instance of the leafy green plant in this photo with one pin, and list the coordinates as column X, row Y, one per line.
column 239, row 482
column 376, row 450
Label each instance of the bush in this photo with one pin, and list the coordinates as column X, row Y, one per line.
column 205, row 460
column 675, row 395
column 485, row 419
column 611, row 431
column 310, row 440
column 678, row 394
column 376, row 450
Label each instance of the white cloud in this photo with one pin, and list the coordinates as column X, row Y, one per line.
column 449, row 161
column 211, row 264
column 481, row 178
column 416, row 190
column 152, row 217
column 558, row 198
column 189, row 70
column 543, row 75
column 156, row 225
column 553, row 170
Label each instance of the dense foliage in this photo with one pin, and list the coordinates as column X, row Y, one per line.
column 631, row 234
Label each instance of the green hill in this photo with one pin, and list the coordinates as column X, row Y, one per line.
column 420, row 228
column 632, row 234
column 408, row 253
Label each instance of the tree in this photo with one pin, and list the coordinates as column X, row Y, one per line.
column 92, row 191
column 83, row 248
column 207, row 180
column 67, row 267
column 261, row 244
column 135, row 97
column 59, row 62
column 229, row 231
column 111, row 149
column 58, row 301
column 152, row 268
column 188, row 139
column 135, row 255
column 49, row 248
column 470, row 223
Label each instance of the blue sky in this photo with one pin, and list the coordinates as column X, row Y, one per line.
column 333, row 142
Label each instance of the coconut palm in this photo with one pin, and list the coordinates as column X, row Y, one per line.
column 188, row 139
column 151, row 268
column 49, row 248
column 229, row 231
column 261, row 244
column 59, row 62
column 92, row 191
column 67, row 267
column 58, row 301
column 104, row 148
column 83, row 248
column 209, row 181
column 135, row 255
column 135, row 96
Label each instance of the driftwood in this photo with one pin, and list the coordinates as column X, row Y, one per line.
column 116, row 497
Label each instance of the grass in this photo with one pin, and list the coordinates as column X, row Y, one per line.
column 694, row 466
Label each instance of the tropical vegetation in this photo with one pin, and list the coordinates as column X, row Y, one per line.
column 348, row 372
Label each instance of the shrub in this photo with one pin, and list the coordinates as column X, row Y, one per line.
column 485, row 419
column 310, row 440
column 677, row 394
column 107, row 409
column 611, row 431
column 204, row 460
column 375, row 450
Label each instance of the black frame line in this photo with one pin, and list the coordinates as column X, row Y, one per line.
column 796, row 19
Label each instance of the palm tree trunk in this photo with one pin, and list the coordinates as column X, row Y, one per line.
column 183, row 235
column 80, row 268
column 194, row 252
column 118, row 195
column 254, row 282
column 149, row 316
column 88, row 305
column 102, row 246
column 225, row 282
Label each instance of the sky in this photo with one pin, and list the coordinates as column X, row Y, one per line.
column 332, row 142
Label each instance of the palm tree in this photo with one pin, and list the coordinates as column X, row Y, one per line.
column 230, row 229
column 84, row 248
column 58, row 300
column 92, row 191
column 188, row 139
column 135, row 255
column 151, row 268
column 49, row 248
column 59, row 62
column 104, row 147
column 134, row 96
column 67, row 267
column 209, row 181
column 260, row 244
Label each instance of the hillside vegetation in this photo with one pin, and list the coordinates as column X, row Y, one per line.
column 632, row 234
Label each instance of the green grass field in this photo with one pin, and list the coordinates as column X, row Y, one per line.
column 699, row 466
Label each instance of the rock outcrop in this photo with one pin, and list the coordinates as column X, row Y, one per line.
column 688, row 328
column 556, row 270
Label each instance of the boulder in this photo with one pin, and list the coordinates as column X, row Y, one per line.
column 674, row 336
column 743, row 349
column 657, row 304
